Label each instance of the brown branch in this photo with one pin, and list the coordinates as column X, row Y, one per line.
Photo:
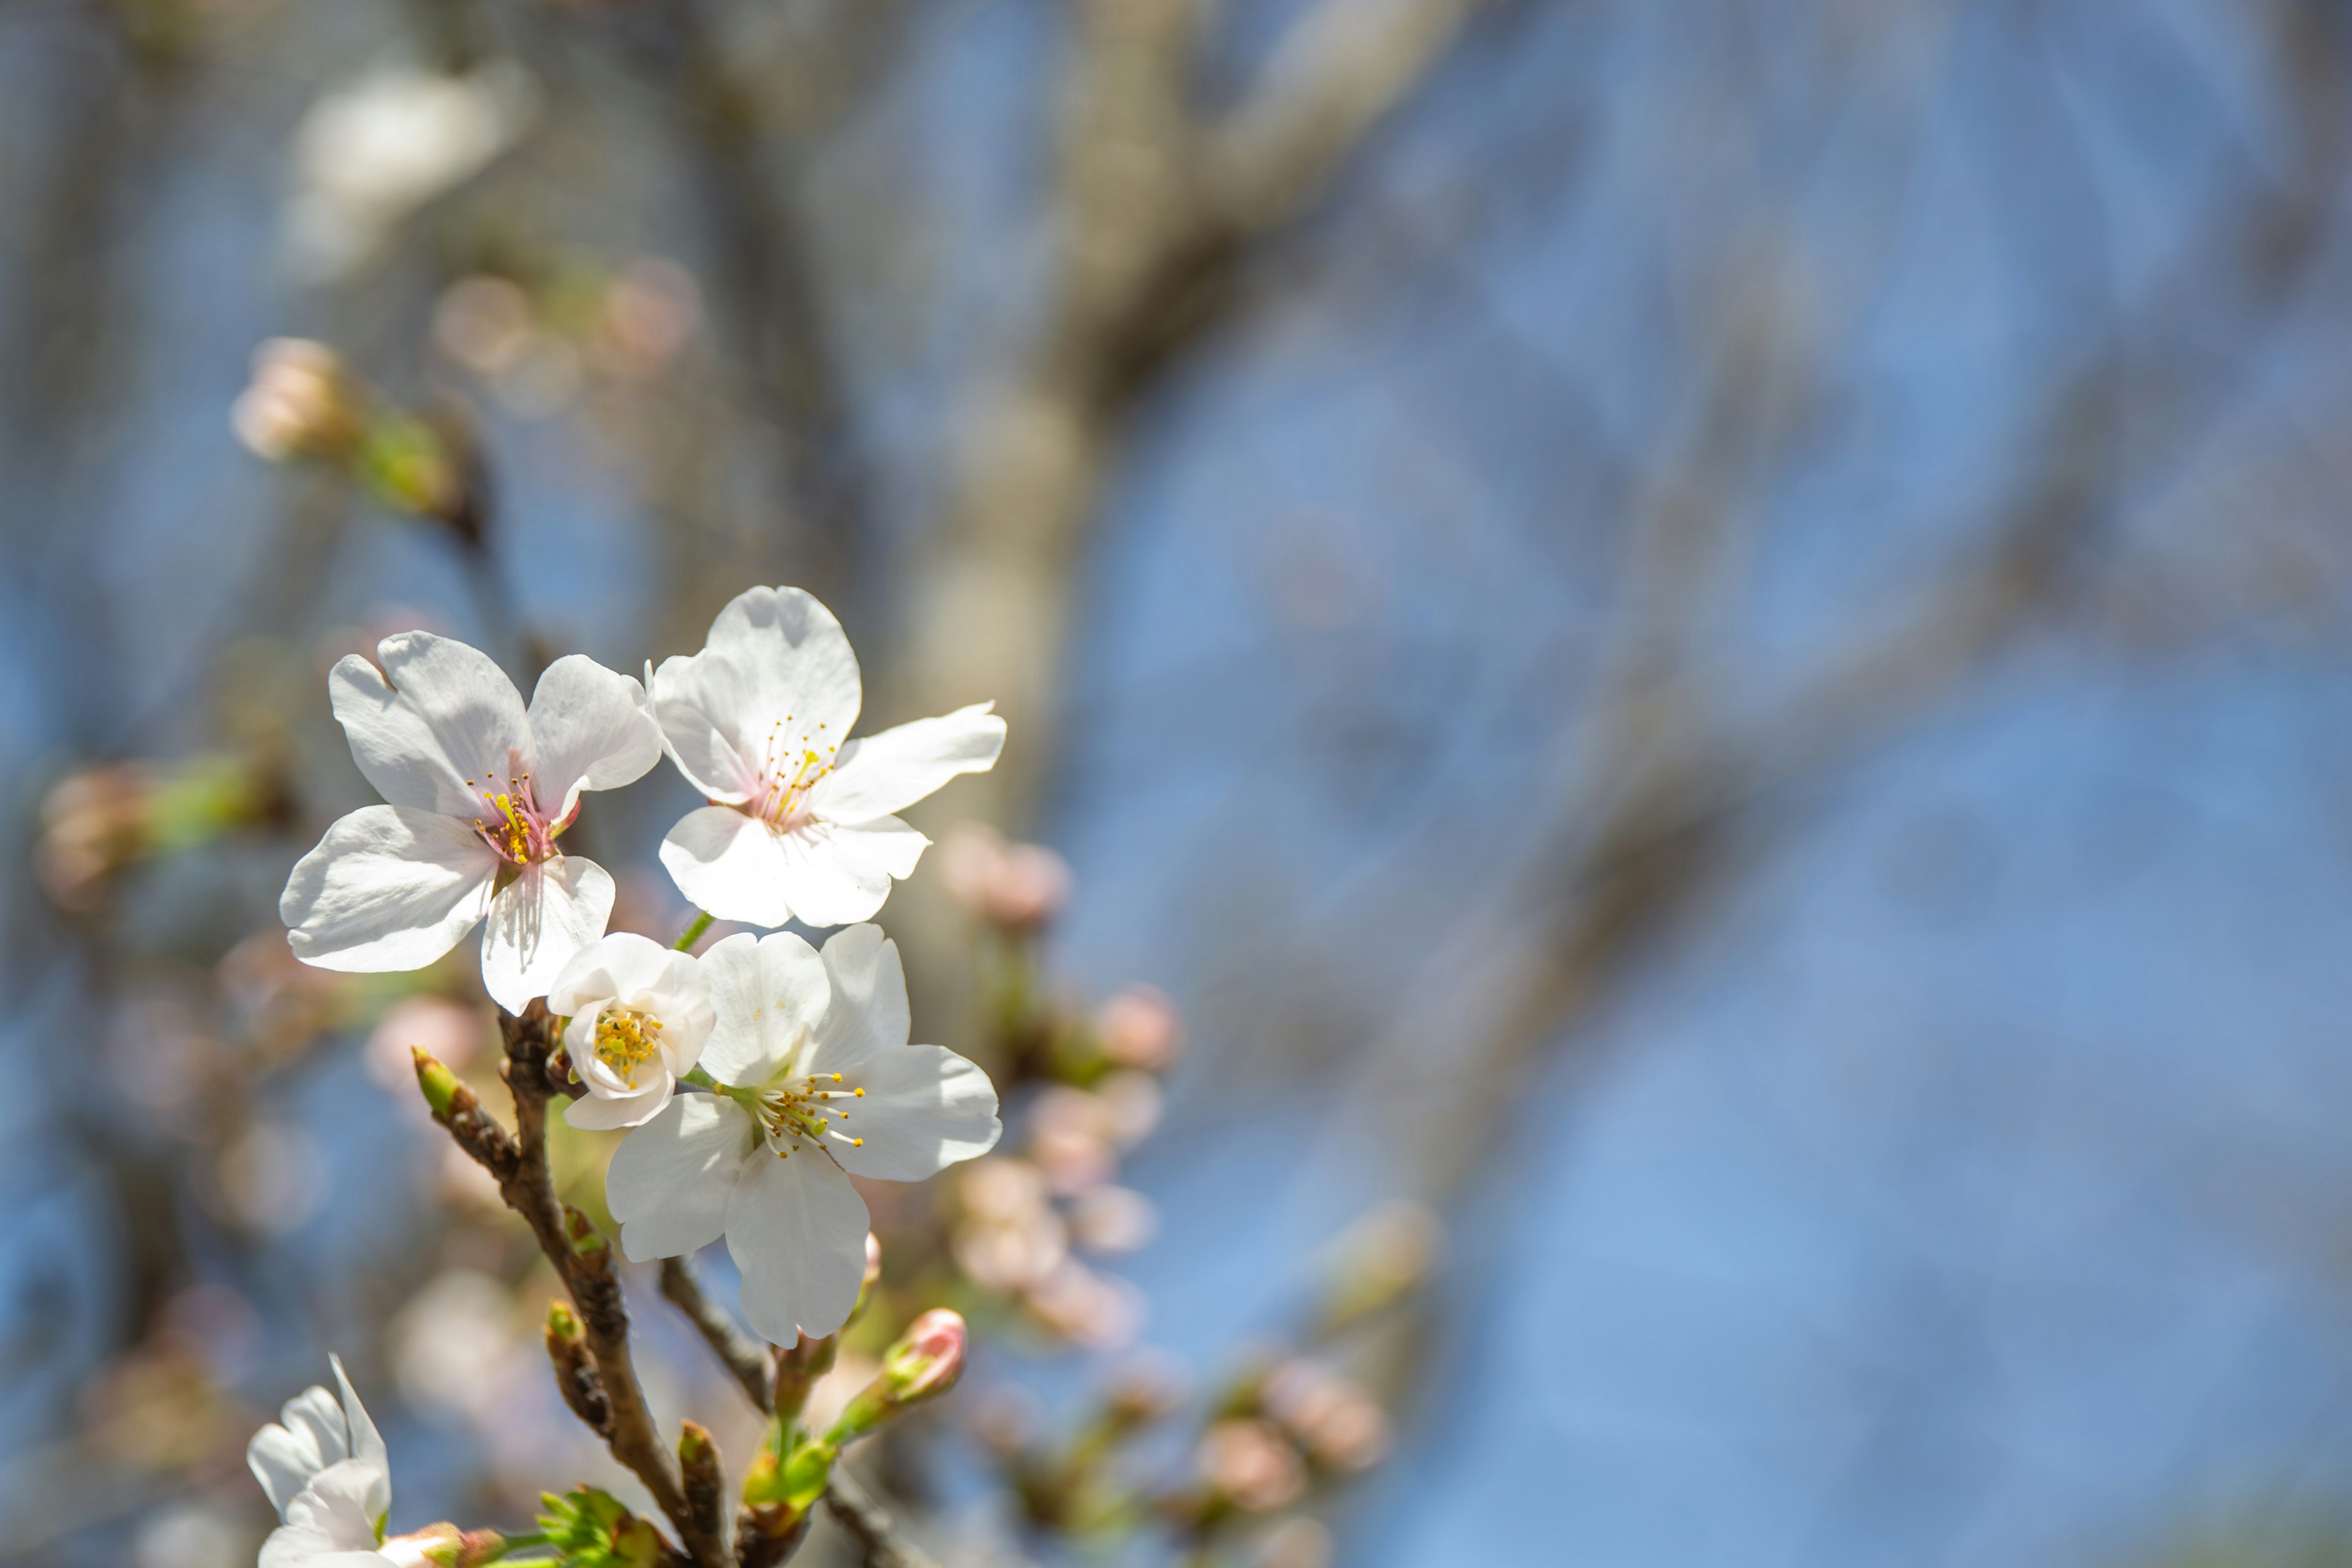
column 581, row 1256
column 744, row 1358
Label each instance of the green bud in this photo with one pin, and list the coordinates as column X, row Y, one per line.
column 923, row 1363
column 440, row 1084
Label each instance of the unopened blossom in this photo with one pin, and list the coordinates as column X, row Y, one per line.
column 639, row 1014
column 1020, row 886
column 817, row 1082
column 1251, row 1464
column 800, row 823
column 479, row 790
column 1140, row 1028
column 302, row 402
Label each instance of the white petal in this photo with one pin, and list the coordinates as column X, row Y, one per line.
column 836, row 874
column 797, row 1230
column 868, row 1014
column 614, row 967
column 328, row 1521
column 537, row 923
column 879, row 774
column 592, row 729
column 448, row 722
column 366, row 1443
column 924, row 1109
column 388, row 887
column 767, row 995
column 669, row 1180
column 729, row 864
column 604, row 1112
column 775, row 674
column 307, row 1437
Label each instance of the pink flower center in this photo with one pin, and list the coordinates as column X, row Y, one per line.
column 787, row 774
column 512, row 823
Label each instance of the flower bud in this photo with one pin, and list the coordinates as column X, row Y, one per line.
column 1251, row 1465
column 440, row 1084
column 1018, row 887
column 1139, row 1029
column 923, row 1363
column 576, row 1377
column 301, row 403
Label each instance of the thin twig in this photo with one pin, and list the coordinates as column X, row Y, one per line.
column 870, row 1524
column 742, row 1356
column 581, row 1256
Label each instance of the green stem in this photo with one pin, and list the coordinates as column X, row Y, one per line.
column 694, row 933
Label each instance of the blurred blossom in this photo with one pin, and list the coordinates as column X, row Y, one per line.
column 93, row 822
column 454, row 1345
column 481, row 323
column 1251, row 1464
column 1000, row 1188
column 1132, row 1104
column 453, row 1033
column 1296, row 1543
column 273, row 1177
column 371, row 152
column 1113, row 1219
column 1019, row 886
column 192, row 1535
column 302, row 402
column 1087, row 1308
column 651, row 313
column 1010, row 1234
column 1337, row 1423
column 1070, row 1132
column 1139, row 1029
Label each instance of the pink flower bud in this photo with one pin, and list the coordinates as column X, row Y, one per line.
column 301, row 403
column 926, row 1359
column 1250, row 1463
column 1139, row 1029
column 1019, row 886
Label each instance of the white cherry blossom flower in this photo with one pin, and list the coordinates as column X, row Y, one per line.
column 480, row 792
column 800, row 823
column 313, row 1432
column 817, row 1083
column 639, row 1013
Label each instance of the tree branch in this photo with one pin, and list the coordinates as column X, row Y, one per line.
column 582, row 1257
column 870, row 1525
column 744, row 1358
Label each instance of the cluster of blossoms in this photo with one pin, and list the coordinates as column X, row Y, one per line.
column 755, row 1079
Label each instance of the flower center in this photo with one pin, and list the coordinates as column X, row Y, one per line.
column 627, row 1038
column 512, row 823
column 796, row 1108
column 786, row 775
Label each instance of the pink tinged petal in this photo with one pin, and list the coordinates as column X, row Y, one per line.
column 797, row 1230
column 869, row 1015
column 835, row 874
column 879, row 774
column 766, row 995
column 924, row 1109
column 603, row 1112
column 729, row 864
column 447, row 715
column 388, row 887
column 537, row 921
column 669, row 1180
column 592, row 729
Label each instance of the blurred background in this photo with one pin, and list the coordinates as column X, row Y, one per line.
column 1681, row 669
